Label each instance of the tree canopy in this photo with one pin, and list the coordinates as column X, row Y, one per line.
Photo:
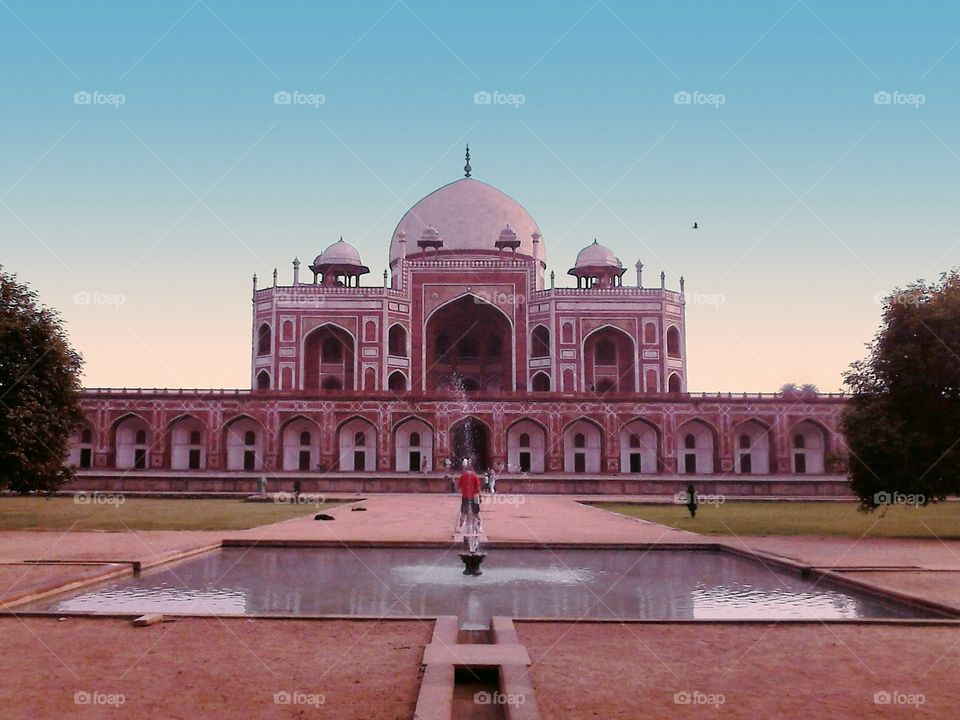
column 902, row 424
column 39, row 391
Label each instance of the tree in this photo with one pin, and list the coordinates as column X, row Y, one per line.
column 902, row 424
column 792, row 391
column 39, row 391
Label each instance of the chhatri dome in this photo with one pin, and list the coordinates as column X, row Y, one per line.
column 341, row 258
column 596, row 256
column 468, row 215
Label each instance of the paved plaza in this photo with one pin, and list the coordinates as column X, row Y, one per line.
column 371, row 669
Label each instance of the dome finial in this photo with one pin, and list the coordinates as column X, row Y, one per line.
column 466, row 168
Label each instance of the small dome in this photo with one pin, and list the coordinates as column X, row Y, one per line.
column 341, row 258
column 507, row 234
column 340, row 253
column 430, row 233
column 596, row 255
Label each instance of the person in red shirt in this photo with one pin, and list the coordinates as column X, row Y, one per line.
column 469, row 485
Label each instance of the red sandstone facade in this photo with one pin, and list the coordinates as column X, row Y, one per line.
column 466, row 350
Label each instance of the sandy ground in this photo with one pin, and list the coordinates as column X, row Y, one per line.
column 762, row 671
column 210, row 668
column 232, row 668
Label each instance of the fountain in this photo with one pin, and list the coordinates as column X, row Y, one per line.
column 464, row 442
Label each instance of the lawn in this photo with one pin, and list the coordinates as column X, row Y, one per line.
column 69, row 513
column 941, row 520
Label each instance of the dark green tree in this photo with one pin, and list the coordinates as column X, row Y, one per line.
column 902, row 424
column 39, row 391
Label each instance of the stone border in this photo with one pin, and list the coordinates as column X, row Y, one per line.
column 443, row 655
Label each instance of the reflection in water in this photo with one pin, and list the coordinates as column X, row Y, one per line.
column 378, row 582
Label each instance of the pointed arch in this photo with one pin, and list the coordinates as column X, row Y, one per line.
column 264, row 339
column 609, row 360
column 357, row 441
column 673, row 342
column 540, row 341
column 640, row 447
column 328, row 358
column 397, row 341
column 752, row 445
column 470, row 328
column 244, row 439
column 540, row 382
column 526, row 446
column 132, row 441
column 187, row 438
column 300, row 443
column 413, row 444
column 583, row 446
column 809, row 443
column 697, row 446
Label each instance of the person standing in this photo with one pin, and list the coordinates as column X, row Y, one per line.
column 469, row 485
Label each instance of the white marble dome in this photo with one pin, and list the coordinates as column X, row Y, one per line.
column 468, row 215
column 340, row 253
column 596, row 255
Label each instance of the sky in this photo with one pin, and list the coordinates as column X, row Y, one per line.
column 149, row 166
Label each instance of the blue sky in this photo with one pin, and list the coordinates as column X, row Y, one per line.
column 813, row 193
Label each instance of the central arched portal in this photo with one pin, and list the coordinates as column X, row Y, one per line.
column 470, row 439
column 469, row 343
